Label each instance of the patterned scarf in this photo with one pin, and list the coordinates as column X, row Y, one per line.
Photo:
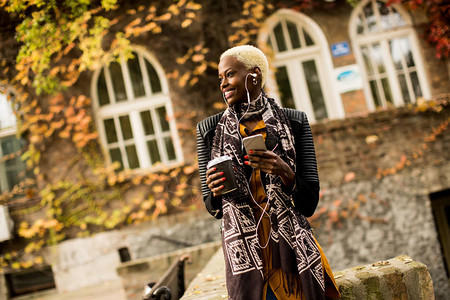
column 292, row 242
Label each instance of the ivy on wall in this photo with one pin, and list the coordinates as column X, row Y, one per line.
column 58, row 42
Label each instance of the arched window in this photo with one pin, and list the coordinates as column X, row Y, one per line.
column 12, row 168
column 303, row 65
column 386, row 48
column 134, row 113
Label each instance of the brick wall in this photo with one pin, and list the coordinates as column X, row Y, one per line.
column 354, row 103
column 381, row 143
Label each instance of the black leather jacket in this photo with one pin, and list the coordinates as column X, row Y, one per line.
column 306, row 188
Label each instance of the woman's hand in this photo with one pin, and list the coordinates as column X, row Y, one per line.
column 214, row 181
column 268, row 162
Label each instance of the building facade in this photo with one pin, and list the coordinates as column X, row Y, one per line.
column 371, row 86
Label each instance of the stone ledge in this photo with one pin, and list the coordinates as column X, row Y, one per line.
column 396, row 278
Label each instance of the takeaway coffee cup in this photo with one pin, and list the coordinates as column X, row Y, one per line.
column 224, row 164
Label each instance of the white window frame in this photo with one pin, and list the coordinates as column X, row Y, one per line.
column 4, row 133
column 383, row 37
column 319, row 52
column 132, row 107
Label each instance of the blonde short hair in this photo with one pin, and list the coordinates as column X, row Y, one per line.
column 250, row 57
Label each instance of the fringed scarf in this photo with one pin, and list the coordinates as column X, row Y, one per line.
column 292, row 242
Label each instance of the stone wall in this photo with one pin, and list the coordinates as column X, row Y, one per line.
column 136, row 274
column 84, row 262
column 397, row 278
column 377, row 174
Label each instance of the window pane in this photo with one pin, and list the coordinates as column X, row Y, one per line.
column 377, row 58
column 416, row 84
column 406, row 50
column 169, row 148
column 14, row 167
column 389, row 17
column 125, row 125
column 387, row 90
column 147, row 122
column 367, row 61
column 359, row 24
column 309, row 41
column 154, row 152
column 385, row 17
column 8, row 145
column 400, row 48
column 396, row 18
column 154, row 79
column 396, row 53
column 117, row 81
column 161, row 111
column 136, row 76
column 293, row 35
column 375, row 93
column 7, row 117
column 284, row 87
column 279, row 37
column 116, row 156
column 102, row 90
column 133, row 160
column 315, row 90
column 404, row 88
column 14, row 178
column 269, row 43
column 110, row 129
column 370, row 17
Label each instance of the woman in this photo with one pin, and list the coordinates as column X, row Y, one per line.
column 269, row 248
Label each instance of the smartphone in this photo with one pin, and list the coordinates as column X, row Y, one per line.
column 254, row 142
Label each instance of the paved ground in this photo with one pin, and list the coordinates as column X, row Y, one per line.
column 210, row 283
column 106, row 291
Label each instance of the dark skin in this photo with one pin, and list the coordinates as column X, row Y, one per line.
column 232, row 76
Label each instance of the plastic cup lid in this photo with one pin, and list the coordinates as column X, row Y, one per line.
column 218, row 160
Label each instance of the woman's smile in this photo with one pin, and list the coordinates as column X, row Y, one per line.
column 228, row 93
column 232, row 77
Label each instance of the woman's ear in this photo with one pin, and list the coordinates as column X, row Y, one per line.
column 257, row 71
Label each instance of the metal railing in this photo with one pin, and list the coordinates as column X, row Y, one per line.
column 171, row 285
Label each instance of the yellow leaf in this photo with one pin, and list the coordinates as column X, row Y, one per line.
column 111, row 180
column 198, row 57
column 137, row 180
column 158, row 189
column 193, row 6
column 174, row 9
column 193, row 81
column 188, row 170
column 165, row 17
column 157, row 30
column 15, row 266
column 38, row 260
column 146, row 205
column 186, row 23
